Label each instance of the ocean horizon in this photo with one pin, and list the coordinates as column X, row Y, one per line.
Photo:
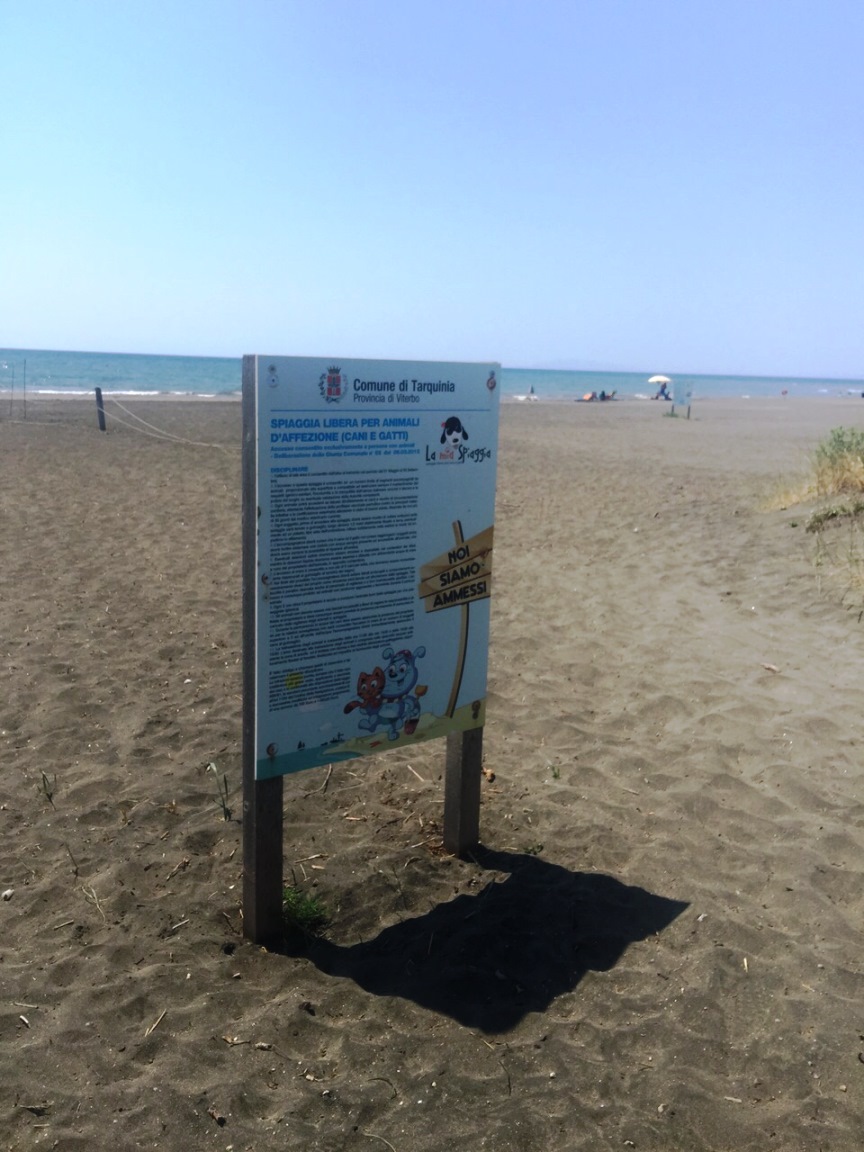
column 35, row 372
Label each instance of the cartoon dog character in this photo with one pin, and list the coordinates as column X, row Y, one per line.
column 453, row 432
column 399, row 707
column 370, row 685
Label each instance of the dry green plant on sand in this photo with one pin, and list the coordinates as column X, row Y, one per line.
column 304, row 917
column 835, row 488
column 838, row 463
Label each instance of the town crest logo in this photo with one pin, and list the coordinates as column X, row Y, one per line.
column 332, row 384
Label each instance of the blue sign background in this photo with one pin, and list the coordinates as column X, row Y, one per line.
column 367, row 471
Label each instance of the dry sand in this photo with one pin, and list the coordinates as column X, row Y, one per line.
column 659, row 945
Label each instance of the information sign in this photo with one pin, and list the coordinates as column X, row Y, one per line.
column 682, row 394
column 375, row 494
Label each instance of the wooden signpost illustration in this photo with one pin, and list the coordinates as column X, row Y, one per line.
column 368, row 513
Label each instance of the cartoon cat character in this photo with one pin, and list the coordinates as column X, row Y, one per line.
column 370, row 685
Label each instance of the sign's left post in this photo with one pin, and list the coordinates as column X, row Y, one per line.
column 262, row 799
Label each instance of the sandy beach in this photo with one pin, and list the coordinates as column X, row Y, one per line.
column 658, row 945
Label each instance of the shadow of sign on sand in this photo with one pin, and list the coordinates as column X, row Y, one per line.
column 490, row 958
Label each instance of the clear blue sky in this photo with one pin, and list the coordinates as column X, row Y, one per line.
column 668, row 185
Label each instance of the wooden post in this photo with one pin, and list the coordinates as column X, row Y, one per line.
column 262, row 799
column 463, row 636
column 262, row 860
column 462, row 791
column 100, row 410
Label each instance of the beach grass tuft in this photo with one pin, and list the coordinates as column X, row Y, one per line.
column 834, row 488
column 838, row 463
column 303, row 916
column 835, row 468
column 837, row 482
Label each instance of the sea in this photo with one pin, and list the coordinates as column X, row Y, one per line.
column 33, row 372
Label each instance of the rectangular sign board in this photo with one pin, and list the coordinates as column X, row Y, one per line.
column 374, row 501
column 682, row 393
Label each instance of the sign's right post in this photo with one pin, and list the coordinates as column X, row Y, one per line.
column 462, row 790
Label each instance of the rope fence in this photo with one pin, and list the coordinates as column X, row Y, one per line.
column 148, row 429
column 111, row 414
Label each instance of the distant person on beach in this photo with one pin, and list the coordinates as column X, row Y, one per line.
column 662, row 393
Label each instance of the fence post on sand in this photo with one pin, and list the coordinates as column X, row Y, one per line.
column 100, row 410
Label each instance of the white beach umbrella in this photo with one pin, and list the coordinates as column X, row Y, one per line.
column 659, row 380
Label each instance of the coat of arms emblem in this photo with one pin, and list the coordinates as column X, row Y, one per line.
column 332, row 384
